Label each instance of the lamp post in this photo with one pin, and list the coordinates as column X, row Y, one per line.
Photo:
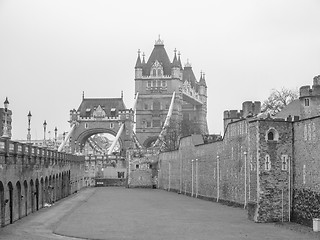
column 44, row 131
column 5, row 126
column 29, row 134
column 55, row 136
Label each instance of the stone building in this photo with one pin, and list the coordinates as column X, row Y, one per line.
column 155, row 80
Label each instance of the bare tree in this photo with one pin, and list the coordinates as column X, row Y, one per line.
column 278, row 99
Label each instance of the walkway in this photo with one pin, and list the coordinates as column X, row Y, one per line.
column 119, row 213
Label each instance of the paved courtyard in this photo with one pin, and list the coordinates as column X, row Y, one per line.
column 119, row 213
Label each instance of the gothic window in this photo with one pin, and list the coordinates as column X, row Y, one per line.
column 149, row 84
column 137, row 166
column 306, row 102
column 111, row 125
column 154, row 83
column 267, row 163
column 148, row 124
column 284, row 162
column 159, row 72
column 154, row 72
column 145, row 106
column 167, row 106
column 164, row 83
column 86, row 125
column 270, row 136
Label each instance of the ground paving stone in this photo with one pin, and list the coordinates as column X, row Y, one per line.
column 120, row 213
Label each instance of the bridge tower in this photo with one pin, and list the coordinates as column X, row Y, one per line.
column 100, row 115
column 156, row 80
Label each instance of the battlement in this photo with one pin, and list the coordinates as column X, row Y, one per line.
column 308, row 91
column 232, row 114
column 251, row 108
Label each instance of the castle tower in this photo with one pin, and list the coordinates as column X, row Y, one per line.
column 156, row 80
column 310, row 99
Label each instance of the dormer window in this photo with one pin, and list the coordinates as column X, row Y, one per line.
column 156, row 69
column 113, row 112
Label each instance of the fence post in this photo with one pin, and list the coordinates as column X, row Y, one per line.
column 192, row 178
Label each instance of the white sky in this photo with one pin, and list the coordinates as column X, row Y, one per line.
column 51, row 51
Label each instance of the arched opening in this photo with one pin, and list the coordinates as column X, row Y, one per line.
column 2, row 205
column 37, row 194
column 26, row 195
column 150, row 141
column 46, row 184
column 32, row 195
column 99, row 144
column 19, row 198
column 270, row 136
column 10, row 188
column 59, row 187
column 42, row 191
column 53, row 188
column 49, row 190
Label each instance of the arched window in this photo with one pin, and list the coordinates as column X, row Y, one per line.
column 272, row 135
column 156, row 105
column 159, row 72
column 154, row 72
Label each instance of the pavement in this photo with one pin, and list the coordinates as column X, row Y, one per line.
column 120, row 213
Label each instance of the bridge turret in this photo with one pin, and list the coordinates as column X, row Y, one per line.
column 138, row 67
column 175, row 70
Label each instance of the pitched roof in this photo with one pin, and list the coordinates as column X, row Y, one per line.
column 158, row 53
column 138, row 63
column 202, row 80
column 91, row 104
column 175, row 62
column 292, row 109
column 188, row 75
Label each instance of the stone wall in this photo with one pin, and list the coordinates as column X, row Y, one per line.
column 306, row 175
column 31, row 177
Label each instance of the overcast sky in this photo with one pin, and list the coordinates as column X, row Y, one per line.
column 51, row 51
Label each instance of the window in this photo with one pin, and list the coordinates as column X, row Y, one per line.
column 149, row 84
column 267, row 163
column 167, row 106
column 145, row 106
column 164, row 83
column 154, row 83
column 148, row 124
column 154, row 72
column 159, row 72
column 111, row 125
column 284, row 162
column 137, row 166
column 306, row 102
column 272, row 135
column 86, row 125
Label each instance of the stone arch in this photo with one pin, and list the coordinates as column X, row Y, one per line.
column 19, row 198
column 37, row 194
column 10, row 201
column 32, row 195
column 149, row 141
column 2, row 205
column 83, row 137
column 26, row 195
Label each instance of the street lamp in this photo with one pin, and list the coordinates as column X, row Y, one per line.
column 55, row 135
column 44, row 131
column 29, row 134
column 5, row 126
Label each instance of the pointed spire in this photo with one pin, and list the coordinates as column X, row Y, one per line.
column 138, row 63
column 121, row 94
column 82, row 95
column 175, row 62
column 179, row 60
column 202, row 81
column 159, row 42
column 187, row 64
column 143, row 59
